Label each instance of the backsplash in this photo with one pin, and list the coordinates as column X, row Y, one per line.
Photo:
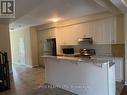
column 100, row 49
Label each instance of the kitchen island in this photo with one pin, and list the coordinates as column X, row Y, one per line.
column 82, row 76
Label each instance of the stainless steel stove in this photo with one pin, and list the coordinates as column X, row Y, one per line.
column 87, row 53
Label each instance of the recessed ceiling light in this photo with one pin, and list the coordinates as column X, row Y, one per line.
column 55, row 19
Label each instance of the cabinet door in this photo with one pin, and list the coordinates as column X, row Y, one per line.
column 111, row 80
column 118, row 69
column 69, row 35
column 104, row 31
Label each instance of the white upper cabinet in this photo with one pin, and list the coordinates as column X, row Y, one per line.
column 104, row 31
column 108, row 30
column 69, row 35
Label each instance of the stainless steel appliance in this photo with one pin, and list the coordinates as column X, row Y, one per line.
column 49, row 47
column 86, row 40
column 86, row 53
column 68, row 50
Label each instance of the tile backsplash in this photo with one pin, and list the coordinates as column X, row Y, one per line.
column 100, row 49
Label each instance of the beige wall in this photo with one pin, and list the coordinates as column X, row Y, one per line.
column 34, row 46
column 120, row 28
column 118, row 50
column 5, row 41
column 126, row 48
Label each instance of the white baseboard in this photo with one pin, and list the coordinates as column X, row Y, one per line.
column 35, row 66
column 29, row 66
column 26, row 65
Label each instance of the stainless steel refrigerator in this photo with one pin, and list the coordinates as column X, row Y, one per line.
column 50, row 47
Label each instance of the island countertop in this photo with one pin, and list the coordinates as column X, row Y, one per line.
column 95, row 75
column 95, row 60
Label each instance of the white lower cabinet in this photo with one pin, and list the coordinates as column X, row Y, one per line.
column 111, row 80
column 119, row 75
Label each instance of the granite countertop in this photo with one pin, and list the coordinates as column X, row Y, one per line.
column 94, row 60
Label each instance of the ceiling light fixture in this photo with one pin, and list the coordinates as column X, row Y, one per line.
column 55, row 19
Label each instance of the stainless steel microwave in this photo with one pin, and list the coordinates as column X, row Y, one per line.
column 68, row 50
column 86, row 40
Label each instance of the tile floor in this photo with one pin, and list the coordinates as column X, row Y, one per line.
column 26, row 80
column 29, row 81
column 119, row 87
column 124, row 91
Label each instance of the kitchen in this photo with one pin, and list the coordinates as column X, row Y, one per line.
column 104, row 29
column 100, row 27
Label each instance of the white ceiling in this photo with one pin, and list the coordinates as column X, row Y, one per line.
column 35, row 12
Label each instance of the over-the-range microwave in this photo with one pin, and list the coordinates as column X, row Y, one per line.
column 86, row 40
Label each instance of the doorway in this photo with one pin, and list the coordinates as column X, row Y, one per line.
column 18, row 51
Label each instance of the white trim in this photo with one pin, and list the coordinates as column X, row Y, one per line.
column 27, row 65
column 121, row 4
column 35, row 66
column 30, row 66
column 107, row 4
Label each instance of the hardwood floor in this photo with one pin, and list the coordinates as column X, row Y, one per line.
column 29, row 81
